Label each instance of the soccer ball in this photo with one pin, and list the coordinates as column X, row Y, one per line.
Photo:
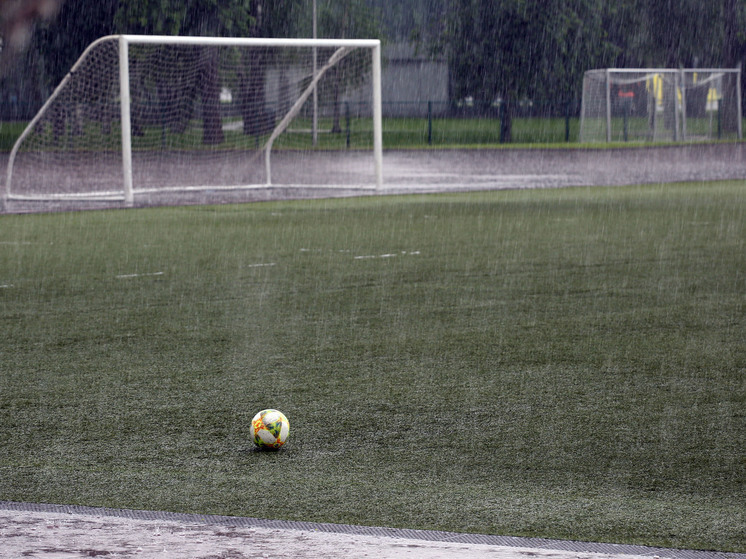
column 270, row 429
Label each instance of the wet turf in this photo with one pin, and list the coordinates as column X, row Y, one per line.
column 565, row 364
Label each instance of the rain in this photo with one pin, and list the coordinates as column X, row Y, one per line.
column 486, row 257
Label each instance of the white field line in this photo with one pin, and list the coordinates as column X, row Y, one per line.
column 366, row 256
column 388, row 255
column 127, row 276
column 433, row 181
column 342, row 250
column 477, row 176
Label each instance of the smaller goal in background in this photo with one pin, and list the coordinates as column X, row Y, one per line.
column 659, row 105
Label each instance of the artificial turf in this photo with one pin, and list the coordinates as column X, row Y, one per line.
column 564, row 363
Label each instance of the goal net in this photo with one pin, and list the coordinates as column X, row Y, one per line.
column 660, row 105
column 141, row 115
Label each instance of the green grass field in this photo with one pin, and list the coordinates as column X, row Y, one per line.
column 563, row 363
column 9, row 132
column 398, row 133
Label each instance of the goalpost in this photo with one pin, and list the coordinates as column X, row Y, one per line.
column 149, row 115
column 661, row 104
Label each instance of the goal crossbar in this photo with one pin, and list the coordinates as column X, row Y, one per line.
column 129, row 190
column 244, row 41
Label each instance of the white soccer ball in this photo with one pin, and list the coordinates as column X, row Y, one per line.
column 270, row 429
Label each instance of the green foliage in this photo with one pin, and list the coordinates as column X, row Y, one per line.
column 420, row 21
column 684, row 33
column 347, row 19
column 213, row 18
column 519, row 49
column 231, row 18
column 193, row 17
column 522, row 49
column 59, row 43
column 512, row 49
column 563, row 363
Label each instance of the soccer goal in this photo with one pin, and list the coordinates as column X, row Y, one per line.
column 651, row 105
column 155, row 114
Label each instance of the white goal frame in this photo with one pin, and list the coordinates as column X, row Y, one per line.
column 129, row 190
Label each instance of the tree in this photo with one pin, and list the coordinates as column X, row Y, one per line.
column 17, row 20
column 77, row 25
column 679, row 33
column 734, row 52
column 684, row 33
column 57, row 45
column 345, row 19
column 193, row 17
column 517, row 49
column 520, row 49
column 270, row 19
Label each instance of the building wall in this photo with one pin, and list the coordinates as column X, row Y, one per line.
column 408, row 81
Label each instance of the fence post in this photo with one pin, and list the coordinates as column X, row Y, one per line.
column 347, row 122
column 429, row 123
column 502, row 114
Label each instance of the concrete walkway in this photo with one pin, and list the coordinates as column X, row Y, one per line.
column 71, row 532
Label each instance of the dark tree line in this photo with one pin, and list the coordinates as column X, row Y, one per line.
column 516, row 49
column 496, row 49
column 57, row 44
column 513, row 50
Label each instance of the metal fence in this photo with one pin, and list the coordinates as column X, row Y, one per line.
column 466, row 122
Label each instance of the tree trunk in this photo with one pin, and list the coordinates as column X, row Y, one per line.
column 210, row 78
column 506, row 123
column 336, row 106
column 731, row 59
column 257, row 120
column 337, row 79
